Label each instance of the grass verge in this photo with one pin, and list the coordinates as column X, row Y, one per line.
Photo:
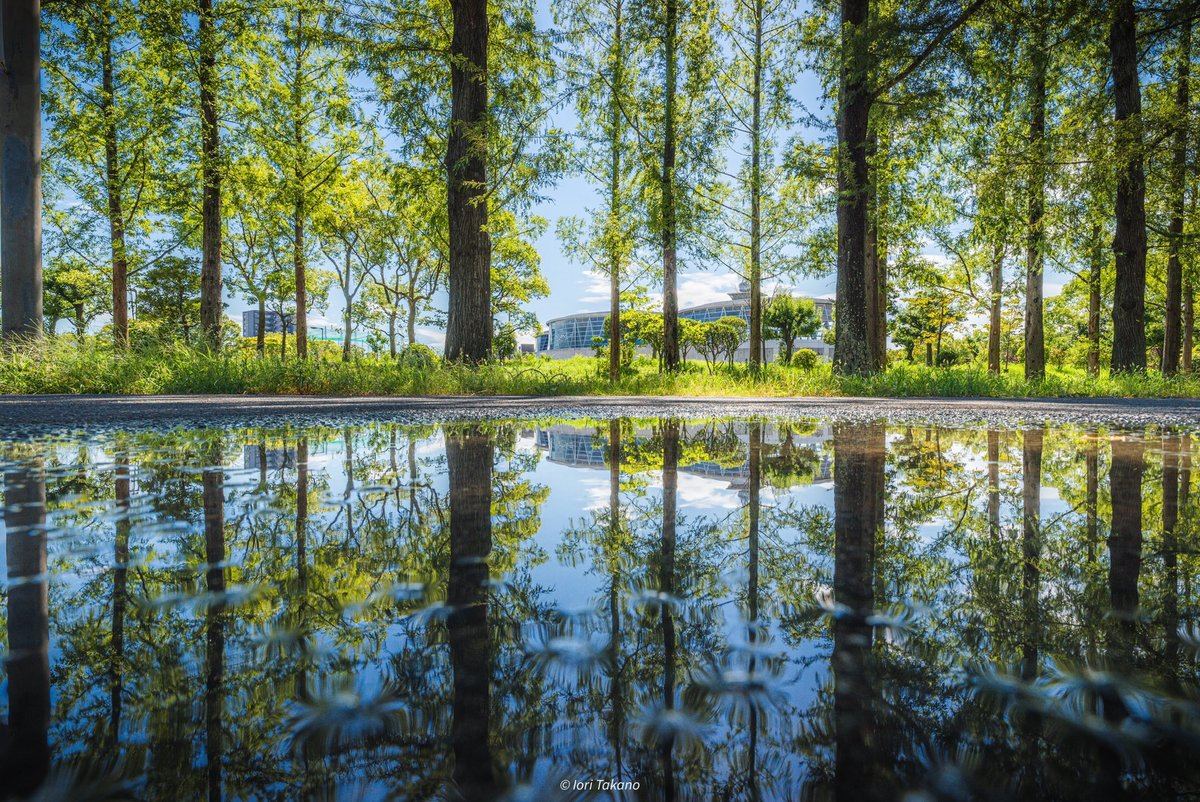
column 66, row 366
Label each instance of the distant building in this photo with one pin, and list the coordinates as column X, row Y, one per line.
column 574, row 335
column 318, row 327
column 580, row 447
column 273, row 323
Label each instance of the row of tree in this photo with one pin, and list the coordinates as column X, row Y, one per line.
column 396, row 150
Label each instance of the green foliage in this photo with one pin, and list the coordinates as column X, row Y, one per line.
column 419, row 356
column 790, row 318
column 63, row 365
column 805, row 359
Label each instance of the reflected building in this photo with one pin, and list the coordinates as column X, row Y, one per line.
column 576, row 335
column 581, row 447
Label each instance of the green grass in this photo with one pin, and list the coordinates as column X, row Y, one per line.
column 64, row 366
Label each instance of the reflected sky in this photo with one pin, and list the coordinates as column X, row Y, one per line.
column 633, row 609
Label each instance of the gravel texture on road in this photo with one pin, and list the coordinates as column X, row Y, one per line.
column 22, row 415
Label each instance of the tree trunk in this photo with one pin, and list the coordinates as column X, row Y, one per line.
column 469, row 324
column 615, row 206
column 260, row 344
column 859, row 456
column 1189, row 325
column 214, row 680
column 666, row 583
column 348, row 330
column 1031, row 551
column 116, row 219
column 756, row 327
column 671, row 350
column 851, row 351
column 1093, row 325
column 995, row 308
column 871, row 250
column 27, row 758
column 469, row 456
column 300, row 268
column 21, row 171
column 1035, row 252
column 1172, row 325
column 1129, row 243
column 121, row 488
column 411, row 321
column 210, row 176
column 1091, row 459
column 1125, row 540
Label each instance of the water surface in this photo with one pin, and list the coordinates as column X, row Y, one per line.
column 627, row 609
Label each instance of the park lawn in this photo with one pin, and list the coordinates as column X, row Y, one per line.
column 65, row 366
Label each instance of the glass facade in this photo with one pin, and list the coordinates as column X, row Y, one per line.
column 579, row 331
column 574, row 332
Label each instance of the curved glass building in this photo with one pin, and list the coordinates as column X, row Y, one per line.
column 573, row 335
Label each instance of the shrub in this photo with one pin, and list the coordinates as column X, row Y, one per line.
column 805, row 359
column 419, row 356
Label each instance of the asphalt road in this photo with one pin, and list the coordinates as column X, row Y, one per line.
column 27, row 413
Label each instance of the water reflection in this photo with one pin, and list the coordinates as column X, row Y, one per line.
column 642, row 609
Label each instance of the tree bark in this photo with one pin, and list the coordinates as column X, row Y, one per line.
column 615, row 204
column 1129, row 243
column 347, row 331
column 871, row 249
column 214, row 691
column 260, row 344
column 299, row 260
column 1031, row 550
column 21, row 171
column 1125, row 540
column 995, row 307
column 469, row 457
column 26, row 760
column 469, row 323
column 666, row 581
column 1093, row 324
column 1035, row 338
column 756, row 134
column 859, row 456
column 210, row 176
column 851, row 350
column 670, row 233
column 112, row 176
column 1172, row 325
column 1189, row 325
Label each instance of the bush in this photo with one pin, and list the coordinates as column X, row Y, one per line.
column 419, row 356
column 805, row 359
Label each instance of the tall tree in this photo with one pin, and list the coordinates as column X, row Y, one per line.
column 602, row 69
column 207, row 82
column 753, row 87
column 1129, row 243
column 302, row 124
column 913, row 38
column 21, row 170
column 110, row 107
column 1035, row 243
column 681, row 132
column 469, row 322
column 1173, row 321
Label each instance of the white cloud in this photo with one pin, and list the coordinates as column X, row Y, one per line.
column 436, row 338
column 703, row 288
